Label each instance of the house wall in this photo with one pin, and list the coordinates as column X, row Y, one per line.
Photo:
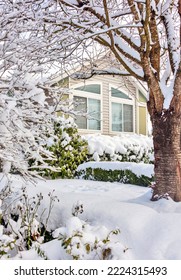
column 121, row 83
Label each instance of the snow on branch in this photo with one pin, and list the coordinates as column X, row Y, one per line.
column 25, row 123
column 172, row 39
column 110, row 71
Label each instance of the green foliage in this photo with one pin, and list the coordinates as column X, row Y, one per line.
column 69, row 150
column 122, row 176
column 41, row 253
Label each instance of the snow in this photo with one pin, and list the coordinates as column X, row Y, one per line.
column 137, row 168
column 130, row 145
column 148, row 230
column 168, row 93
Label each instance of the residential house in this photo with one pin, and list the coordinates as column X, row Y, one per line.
column 115, row 104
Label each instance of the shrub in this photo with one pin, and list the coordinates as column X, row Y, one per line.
column 125, row 147
column 68, row 148
column 21, row 227
column 122, row 176
column 83, row 241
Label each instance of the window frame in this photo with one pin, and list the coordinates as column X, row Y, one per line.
column 120, row 101
column 89, row 95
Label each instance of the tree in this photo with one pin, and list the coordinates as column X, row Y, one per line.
column 144, row 37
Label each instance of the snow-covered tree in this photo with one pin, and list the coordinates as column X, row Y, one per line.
column 26, row 121
column 27, row 103
column 144, row 37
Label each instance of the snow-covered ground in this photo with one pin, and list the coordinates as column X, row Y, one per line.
column 148, row 230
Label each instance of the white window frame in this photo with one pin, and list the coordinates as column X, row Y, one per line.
column 120, row 101
column 89, row 95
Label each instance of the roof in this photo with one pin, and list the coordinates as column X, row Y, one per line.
column 106, row 65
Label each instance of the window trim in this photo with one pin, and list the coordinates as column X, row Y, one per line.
column 120, row 101
column 89, row 95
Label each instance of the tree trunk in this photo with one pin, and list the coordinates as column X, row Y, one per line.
column 167, row 150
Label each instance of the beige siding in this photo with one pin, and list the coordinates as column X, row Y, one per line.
column 105, row 106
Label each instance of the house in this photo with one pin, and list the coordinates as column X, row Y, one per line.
column 115, row 104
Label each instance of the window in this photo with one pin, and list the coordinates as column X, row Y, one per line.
column 87, row 100
column 122, row 111
column 141, row 96
column 117, row 93
column 93, row 88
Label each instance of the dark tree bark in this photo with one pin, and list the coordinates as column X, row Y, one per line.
column 167, row 151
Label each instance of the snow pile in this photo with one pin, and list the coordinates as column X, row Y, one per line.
column 138, row 169
column 83, row 241
column 125, row 147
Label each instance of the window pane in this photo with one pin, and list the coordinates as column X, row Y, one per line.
column 94, row 88
column 80, row 105
column 128, row 117
column 116, row 117
column 117, row 93
column 142, row 98
column 94, row 110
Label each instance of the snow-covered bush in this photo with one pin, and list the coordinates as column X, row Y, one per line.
column 21, row 227
column 68, row 148
column 24, row 227
column 125, row 147
column 122, row 176
column 85, row 242
column 141, row 174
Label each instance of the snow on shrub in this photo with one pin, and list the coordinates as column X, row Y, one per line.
column 68, row 148
column 71, row 150
column 86, row 242
column 123, row 172
column 125, row 147
column 21, row 227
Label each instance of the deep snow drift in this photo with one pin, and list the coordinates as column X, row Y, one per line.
column 148, row 230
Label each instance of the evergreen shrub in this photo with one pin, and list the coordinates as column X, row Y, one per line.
column 68, row 148
column 122, row 176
